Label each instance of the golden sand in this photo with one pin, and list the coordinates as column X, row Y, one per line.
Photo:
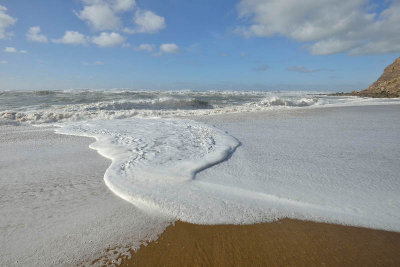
column 283, row 243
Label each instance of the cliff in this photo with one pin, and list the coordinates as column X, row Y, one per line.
column 388, row 85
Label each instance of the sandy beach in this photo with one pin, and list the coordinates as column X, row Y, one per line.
column 56, row 209
column 283, row 243
column 195, row 133
column 286, row 242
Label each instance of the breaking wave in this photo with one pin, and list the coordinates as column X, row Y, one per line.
column 75, row 105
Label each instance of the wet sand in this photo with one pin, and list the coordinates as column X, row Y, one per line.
column 55, row 209
column 288, row 242
column 283, row 243
column 56, row 179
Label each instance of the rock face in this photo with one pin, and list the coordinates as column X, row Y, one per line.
column 388, row 85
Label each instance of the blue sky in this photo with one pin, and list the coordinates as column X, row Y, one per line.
column 336, row 45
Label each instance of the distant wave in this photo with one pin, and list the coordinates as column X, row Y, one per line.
column 75, row 105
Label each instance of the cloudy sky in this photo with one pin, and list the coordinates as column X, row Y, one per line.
column 334, row 45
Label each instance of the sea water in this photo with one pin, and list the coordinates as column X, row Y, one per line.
column 76, row 105
column 169, row 158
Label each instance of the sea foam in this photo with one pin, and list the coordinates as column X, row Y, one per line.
column 38, row 107
column 331, row 165
column 154, row 161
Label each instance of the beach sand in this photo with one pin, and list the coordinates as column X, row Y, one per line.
column 55, row 209
column 282, row 243
column 54, row 200
column 287, row 242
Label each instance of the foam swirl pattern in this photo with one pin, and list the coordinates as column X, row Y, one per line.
column 154, row 162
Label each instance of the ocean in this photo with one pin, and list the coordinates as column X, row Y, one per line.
column 227, row 157
column 76, row 105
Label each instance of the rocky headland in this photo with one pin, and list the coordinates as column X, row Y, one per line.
column 388, row 85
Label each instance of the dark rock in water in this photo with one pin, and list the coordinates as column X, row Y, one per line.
column 388, row 85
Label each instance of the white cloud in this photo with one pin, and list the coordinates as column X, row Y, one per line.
column 100, row 17
column 107, row 15
column 98, row 63
column 72, row 37
column 325, row 27
column 5, row 22
column 146, row 22
column 103, row 15
column 123, row 5
column 116, row 5
column 35, row 36
column 4, row 62
column 169, row 48
column 144, row 47
column 332, row 46
column 108, row 39
column 9, row 49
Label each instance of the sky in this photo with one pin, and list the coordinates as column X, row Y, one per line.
column 325, row 45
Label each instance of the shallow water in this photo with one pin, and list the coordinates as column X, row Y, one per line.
column 54, row 207
column 265, row 156
column 325, row 166
column 75, row 105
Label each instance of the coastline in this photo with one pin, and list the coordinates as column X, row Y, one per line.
column 379, row 94
column 279, row 243
column 386, row 86
column 283, row 243
column 55, row 209
column 245, row 244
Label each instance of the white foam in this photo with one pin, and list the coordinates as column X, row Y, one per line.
column 55, row 106
column 54, row 207
column 333, row 165
column 155, row 162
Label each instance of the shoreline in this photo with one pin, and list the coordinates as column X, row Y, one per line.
column 55, row 209
column 281, row 243
column 382, row 94
column 246, row 243
column 284, row 242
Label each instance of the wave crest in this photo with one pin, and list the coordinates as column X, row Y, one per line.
column 164, row 106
